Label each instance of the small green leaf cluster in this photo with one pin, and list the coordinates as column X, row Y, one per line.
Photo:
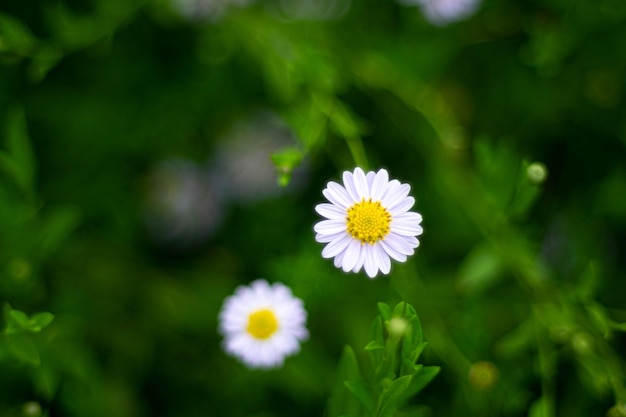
column 16, row 341
column 396, row 343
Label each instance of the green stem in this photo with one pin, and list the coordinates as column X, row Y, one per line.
column 355, row 145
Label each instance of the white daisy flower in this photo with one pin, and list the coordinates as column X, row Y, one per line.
column 368, row 222
column 443, row 12
column 262, row 324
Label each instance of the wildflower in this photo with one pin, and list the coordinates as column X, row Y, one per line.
column 443, row 12
column 181, row 206
column 367, row 222
column 262, row 324
column 199, row 10
column 242, row 165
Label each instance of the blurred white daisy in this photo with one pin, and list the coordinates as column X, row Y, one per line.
column 198, row 10
column 443, row 12
column 180, row 204
column 367, row 222
column 262, row 324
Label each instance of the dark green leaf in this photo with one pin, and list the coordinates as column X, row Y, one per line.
column 392, row 397
column 423, row 376
column 362, row 393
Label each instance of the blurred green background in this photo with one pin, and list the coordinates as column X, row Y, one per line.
column 137, row 190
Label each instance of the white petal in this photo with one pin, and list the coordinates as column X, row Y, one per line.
column 379, row 184
column 327, row 227
column 360, row 182
column 410, row 216
column 359, row 264
column 369, row 177
column 331, row 211
column 348, row 182
column 335, row 247
column 399, row 243
column 407, row 224
column 395, row 193
column 371, row 267
column 402, row 206
column 337, row 195
column 323, row 238
column 384, row 263
column 351, row 255
column 338, row 261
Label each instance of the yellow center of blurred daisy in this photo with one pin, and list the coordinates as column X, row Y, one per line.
column 368, row 221
column 262, row 324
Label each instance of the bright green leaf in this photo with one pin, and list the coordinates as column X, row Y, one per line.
column 392, row 397
column 384, row 310
column 285, row 161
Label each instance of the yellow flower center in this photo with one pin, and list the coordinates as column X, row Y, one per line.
column 368, row 221
column 262, row 324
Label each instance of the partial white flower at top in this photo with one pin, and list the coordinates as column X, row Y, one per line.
column 367, row 222
column 443, row 12
column 181, row 205
column 262, row 324
column 198, row 10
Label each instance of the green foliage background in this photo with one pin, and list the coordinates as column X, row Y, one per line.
column 518, row 281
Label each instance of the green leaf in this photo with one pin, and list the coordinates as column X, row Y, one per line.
column 18, row 160
column 517, row 340
column 308, row 122
column 16, row 37
column 21, row 347
column 411, row 356
column 384, row 310
column 40, row 320
column 423, row 376
column 374, row 345
column 599, row 318
column 589, row 281
column 539, row 408
column 376, row 339
column 392, row 397
column 43, row 60
column 18, row 322
column 55, row 227
column 285, row 161
column 361, row 392
column 342, row 401
column 480, row 269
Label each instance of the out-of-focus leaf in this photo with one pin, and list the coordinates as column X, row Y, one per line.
column 588, row 281
column 392, row 397
column 362, row 393
column 480, row 269
column 422, row 377
column 308, row 122
column 43, row 59
column 15, row 37
column 384, row 310
column 342, row 401
column 18, row 161
column 55, row 227
column 285, row 161
column 18, row 322
column 21, row 347
column 519, row 339
column 376, row 339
